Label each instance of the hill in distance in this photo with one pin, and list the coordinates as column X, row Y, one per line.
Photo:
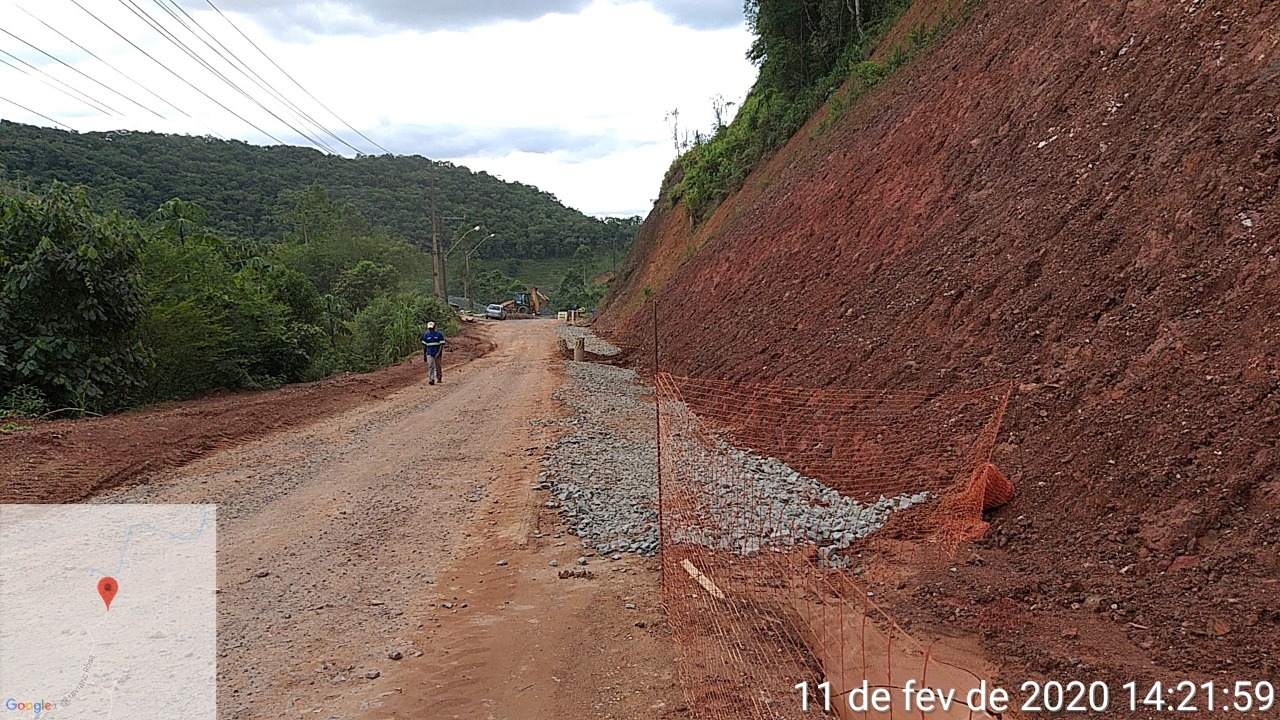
column 244, row 188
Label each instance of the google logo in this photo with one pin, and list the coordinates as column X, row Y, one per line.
column 36, row 707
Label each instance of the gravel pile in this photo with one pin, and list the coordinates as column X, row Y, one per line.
column 593, row 344
column 751, row 503
column 603, row 476
column 603, row 480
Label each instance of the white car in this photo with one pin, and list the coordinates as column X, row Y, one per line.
column 496, row 311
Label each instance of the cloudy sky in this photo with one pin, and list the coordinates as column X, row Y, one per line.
column 569, row 95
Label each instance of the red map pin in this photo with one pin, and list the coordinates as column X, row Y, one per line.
column 107, row 588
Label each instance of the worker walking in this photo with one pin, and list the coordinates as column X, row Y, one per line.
column 432, row 348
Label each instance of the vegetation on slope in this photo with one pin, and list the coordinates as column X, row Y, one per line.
column 137, row 267
column 806, row 51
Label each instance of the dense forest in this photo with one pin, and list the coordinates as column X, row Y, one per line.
column 99, row 311
column 246, row 189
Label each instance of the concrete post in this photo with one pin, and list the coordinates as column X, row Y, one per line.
column 579, row 349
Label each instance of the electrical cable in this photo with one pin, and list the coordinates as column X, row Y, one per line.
column 230, row 58
column 69, row 92
column 175, row 74
column 80, row 72
column 244, row 69
column 33, row 112
column 167, row 34
column 122, row 74
column 95, row 56
column 291, row 78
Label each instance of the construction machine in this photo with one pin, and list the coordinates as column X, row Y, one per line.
column 527, row 303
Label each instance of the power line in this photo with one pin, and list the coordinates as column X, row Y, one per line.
column 175, row 74
column 312, row 138
column 79, row 72
column 122, row 74
column 291, row 78
column 33, row 112
column 244, row 69
column 175, row 41
column 225, row 55
column 70, row 92
column 95, row 56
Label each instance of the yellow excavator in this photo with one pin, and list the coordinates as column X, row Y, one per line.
column 527, row 303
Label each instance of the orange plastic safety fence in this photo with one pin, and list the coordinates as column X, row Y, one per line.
column 774, row 500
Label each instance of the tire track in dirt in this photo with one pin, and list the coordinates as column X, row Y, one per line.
column 339, row 540
column 71, row 460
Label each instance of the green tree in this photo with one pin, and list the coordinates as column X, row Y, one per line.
column 582, row 261
column 362, row 282
column 575, row 290
column 179, row 218
column 491, row 286
column 388, row 330
column 70, row 300
column 272, row 194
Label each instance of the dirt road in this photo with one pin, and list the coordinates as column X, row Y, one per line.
column 392, row 560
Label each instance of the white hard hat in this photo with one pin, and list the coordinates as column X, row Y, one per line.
column 431, row 326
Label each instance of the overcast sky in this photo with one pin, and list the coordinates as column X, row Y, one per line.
column 566, row 95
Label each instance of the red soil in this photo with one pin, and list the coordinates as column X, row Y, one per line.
column 1081, row 198
column 70, row 460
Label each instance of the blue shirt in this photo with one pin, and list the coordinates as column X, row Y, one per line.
column 432, row 342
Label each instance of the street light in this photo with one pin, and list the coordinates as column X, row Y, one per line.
column 467, row 258
column 444, row 264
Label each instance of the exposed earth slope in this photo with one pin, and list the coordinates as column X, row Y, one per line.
column 1079, row 198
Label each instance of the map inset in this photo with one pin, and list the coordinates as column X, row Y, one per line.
column 108, row 611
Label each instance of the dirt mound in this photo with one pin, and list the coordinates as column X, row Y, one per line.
column 71, row 460
column 1078, row 197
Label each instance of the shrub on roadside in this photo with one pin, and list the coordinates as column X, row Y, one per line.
column 70, row 300
column 389, row 328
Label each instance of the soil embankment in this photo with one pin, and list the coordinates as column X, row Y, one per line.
column 1080, row 198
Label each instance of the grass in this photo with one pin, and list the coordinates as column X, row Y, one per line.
column 8, row 426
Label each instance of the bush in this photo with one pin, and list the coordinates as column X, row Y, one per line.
column 209, row 327
column 70, row 300
column 23, row 401
column 390, row 327
column 802, row 64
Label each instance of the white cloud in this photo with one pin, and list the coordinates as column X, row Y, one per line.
column 571, row 103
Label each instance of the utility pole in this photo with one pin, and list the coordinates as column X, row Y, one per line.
column 444, row 263
column 435, row 236
column 444, row 276
column 466, row 290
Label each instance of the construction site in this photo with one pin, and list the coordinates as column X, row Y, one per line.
column 972, row 388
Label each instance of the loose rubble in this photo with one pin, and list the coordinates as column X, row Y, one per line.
column 603, row 475
column 759, row 502
column 603, row 480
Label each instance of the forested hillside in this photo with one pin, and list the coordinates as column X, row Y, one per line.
column 137, row 267
column 245, row 188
